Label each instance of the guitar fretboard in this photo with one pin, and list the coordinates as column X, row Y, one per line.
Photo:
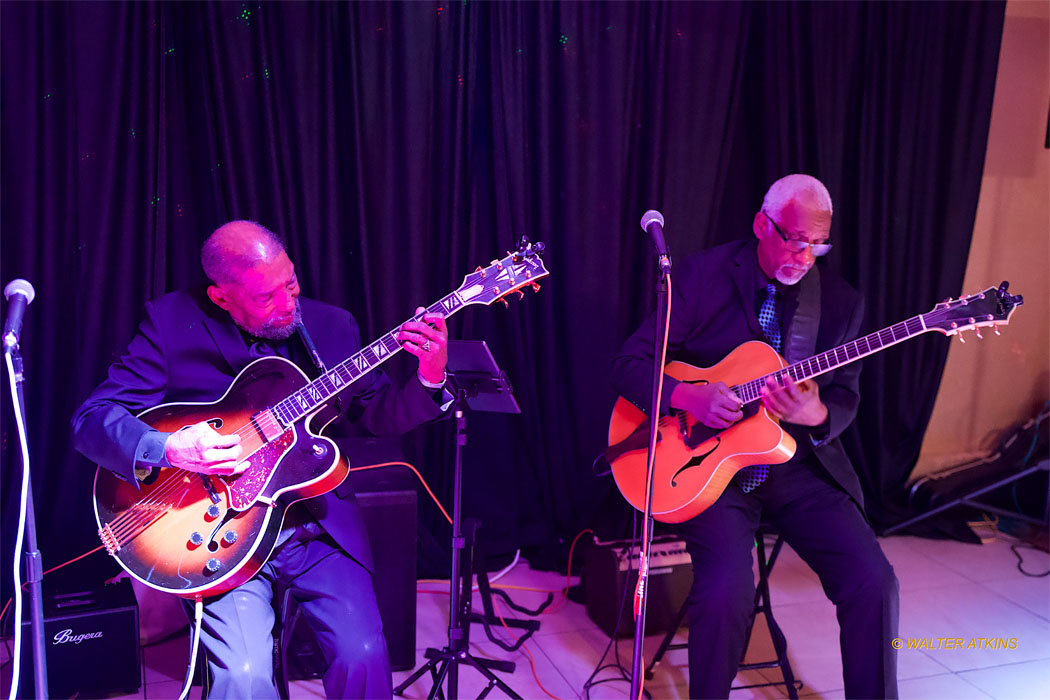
column 836, row 357
column 321, row 390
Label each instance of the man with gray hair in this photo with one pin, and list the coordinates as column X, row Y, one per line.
column 769, row 289
column 189, row 348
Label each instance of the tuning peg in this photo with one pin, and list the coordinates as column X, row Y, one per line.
column 535, row 286
column 481, row 270
column 961, row 338
column 978, row 332
column 521, row 294
column 996, row 329
column 505, row 304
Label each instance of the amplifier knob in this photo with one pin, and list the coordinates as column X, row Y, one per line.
column 212, row 565
column 196, row 539
column 229, row 537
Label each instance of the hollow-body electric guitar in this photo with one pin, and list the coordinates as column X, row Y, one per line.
column 694, row 463
column 200, row 535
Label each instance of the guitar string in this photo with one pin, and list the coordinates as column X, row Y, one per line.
column 131, row 522
column 139, row 516
column 751, row 391
column 168, row 488
column 852, row 351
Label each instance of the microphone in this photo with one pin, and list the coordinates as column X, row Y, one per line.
column 653, row 224
column 19, row 295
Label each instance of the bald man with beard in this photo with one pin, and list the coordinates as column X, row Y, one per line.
column 189, row 348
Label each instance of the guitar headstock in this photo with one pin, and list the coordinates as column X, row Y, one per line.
column 519, row 269
column 992, row 307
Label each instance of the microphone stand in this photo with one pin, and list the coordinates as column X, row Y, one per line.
column 661, row 321
column 34, row 567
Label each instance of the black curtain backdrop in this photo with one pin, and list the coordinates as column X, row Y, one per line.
column 397, row 146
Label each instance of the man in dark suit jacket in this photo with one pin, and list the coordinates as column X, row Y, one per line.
column 188, row 349
column 814, row 499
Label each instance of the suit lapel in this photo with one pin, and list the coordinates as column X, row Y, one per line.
column 803, row 318
column 742, row 276
column 229, row 342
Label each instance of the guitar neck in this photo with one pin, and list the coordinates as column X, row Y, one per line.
column 837, row 357
column 321, row 390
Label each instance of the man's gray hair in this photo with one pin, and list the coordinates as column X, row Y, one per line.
column 238, row 246
column 791, row 186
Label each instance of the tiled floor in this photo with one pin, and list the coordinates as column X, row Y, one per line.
column 948, row 589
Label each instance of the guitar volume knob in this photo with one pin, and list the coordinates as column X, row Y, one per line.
column 213, row 511
column 229, row 537
column 196, row 539
column 212, row 565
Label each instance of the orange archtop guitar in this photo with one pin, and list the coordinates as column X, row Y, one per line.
column 695, row 463
column 201, row 535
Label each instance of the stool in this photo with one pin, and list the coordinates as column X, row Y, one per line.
column 288, row 614
column 762, row 605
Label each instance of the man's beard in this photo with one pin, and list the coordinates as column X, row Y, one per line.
column 271, row 331
column 790, row 274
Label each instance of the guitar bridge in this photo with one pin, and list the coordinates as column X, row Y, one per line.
column 109, row 540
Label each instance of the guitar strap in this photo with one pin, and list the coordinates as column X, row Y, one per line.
column 315, row 357
column 311, row 349
column 801, row 333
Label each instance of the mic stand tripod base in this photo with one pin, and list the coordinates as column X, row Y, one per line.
column 444, row 663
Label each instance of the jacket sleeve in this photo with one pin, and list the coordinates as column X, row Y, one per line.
column 105, row 429
column 632, row 369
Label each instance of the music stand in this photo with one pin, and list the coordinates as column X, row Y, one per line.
column 479, row 384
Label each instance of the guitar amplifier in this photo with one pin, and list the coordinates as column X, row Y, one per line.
column 611, row 568
column 92, row 644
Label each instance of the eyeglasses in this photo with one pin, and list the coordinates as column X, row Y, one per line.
column 797, row 246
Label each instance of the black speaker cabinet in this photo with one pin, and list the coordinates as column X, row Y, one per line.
column 92, row 644
column 390, row 517
column 606, row 579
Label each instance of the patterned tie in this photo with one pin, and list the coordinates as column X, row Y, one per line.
column 749, row 478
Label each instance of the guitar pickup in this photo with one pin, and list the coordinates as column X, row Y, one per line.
column 267, row 425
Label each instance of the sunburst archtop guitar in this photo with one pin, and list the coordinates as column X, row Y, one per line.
column 198, row 535
column 695, row 463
